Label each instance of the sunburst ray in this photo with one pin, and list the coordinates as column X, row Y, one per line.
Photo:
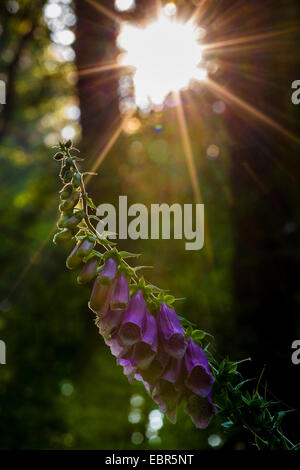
column 259, row 115
column 106, row 11
column 113, row 138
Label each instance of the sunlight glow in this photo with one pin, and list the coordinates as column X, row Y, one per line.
column 166, row 56
column 124, row 5
column 170, row 9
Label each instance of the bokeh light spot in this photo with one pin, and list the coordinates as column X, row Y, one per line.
column 137, row 438
column 132, row 125
column 124, row 5
column 170, row 9
column 52, row 10
column 68, row 132
column 155, row 420
column 136, row 400
column 219, row 107
column 67, row 389
column 212, row 151
column 214, row 440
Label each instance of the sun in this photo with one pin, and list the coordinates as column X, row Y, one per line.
column 165, row 56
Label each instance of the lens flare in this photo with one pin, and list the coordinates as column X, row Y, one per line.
column 165, row 56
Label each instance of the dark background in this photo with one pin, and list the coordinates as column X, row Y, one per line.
column 60, row 388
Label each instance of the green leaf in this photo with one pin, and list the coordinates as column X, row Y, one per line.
column 126, row 254
column 139, row 268
column 227, row 424
column 93, row 254
column 198, row 335
column 89, row 202
column 278, row 418
column 184, row 321
column 155, row 289
column 188, row 332
column 169, row 299
column 106, row 234
column 242, row 383
column 232, row 367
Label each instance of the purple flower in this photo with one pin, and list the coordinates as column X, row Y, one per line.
column 199, row 378
column 100, row 298
column 108, row 272
column 201, row 410
column 116, row 347
column 88, row 271
column 171, row 332
column 167, row 396
column 134, row 320
column 152, row 373
column 103, row 288
column 141, row 354
column 147, row 386
column 169, row 388
column 129, row 366
column 120, row 297
column 173, row 371
column 110, row 322
column 129, row 370
column 144, row 351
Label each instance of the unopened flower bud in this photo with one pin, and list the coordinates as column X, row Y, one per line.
column 103, row 288
column 76, row 181
column 100, row 298
column 71, row 222
column 88, row 271
column 64, row 195
column 86, row 247
column 73, row 260
column 69, row 162
column 69, row 144
column 63, row 171
column 62, row 236
column 108, row 272
column 61, row 221
column 66, row 191
column 120, row 297
column 68, row 176
column 58, row 156
column 69, row 203
column 75, row 231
